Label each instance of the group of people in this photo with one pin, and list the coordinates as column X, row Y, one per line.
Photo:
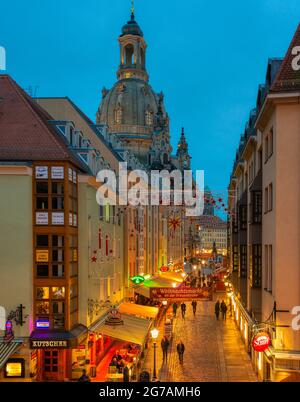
column 183, row 308
column 221, row 308
column 165, row 343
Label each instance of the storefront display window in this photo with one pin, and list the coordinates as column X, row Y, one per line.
column 14, row 368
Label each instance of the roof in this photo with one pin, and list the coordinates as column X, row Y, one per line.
column 211, row 222
column 288, row 77
column 132, row 27
column 26, row 132
column 138, row 310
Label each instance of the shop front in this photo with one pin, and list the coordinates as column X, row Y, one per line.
column 126, row 338
column 12, row 365
column 54, row 352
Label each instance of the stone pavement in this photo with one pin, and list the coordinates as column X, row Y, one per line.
column 214, row 350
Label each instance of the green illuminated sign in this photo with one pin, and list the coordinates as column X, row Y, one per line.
column 137, row 279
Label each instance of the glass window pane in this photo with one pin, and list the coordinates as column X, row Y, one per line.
column 58, row 270
column 41, row 187
column 42, row 270
column 58, row 292
column 42, row 307
column 42, row 240
column 42, row 293
column 57, row 241
column 58, row 188
column 57, row 203
column 42, row 203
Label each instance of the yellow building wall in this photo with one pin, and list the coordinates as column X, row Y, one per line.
column 16, row 265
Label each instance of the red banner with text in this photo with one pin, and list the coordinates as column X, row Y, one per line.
column 182, row 293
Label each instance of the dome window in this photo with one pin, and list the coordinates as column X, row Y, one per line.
column 118, row 115
column 149, row 118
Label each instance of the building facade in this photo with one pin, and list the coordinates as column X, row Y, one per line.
column 263, row 225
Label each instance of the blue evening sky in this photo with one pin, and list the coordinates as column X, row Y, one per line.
column 208, row 57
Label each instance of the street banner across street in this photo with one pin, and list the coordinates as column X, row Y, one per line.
column 182, row 293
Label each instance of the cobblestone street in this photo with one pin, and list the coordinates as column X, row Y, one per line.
column 213, row 350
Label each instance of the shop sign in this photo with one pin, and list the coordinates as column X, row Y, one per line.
column 57, row 172
column 261, row 341
column 58, row 218
column 43, row 324
column 39, row 344
column 41, row 218
column 181, row 293
column 74, row 176
column 70, row 174
column 75, row 255
column 9, row 334
column 41, row 172
column 42, row 256
column 137, row 280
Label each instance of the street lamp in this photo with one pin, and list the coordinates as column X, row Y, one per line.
column 154, row 335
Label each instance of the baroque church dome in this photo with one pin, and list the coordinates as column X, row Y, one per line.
column 131, row 109
column 131, row 106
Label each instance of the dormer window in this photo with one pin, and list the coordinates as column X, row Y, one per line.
column 71, row 135
column 149, row 118
column 118, row 115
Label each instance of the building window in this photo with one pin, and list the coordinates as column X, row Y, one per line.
column 256, row 266
column 14, row 368
column 118, row 115
column 268, row 268
column 266, row 148
column 149, row 118
column 243, row 261
column 243, row 217
column 271, row 142
column 270, row 207
column 266, row 200
column 256, row 207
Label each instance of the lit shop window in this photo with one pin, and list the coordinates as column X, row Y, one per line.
column 14, row 368
column 58, row 292
column 42, row 293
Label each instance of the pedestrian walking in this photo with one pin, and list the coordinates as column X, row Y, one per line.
column 180, row 351
column 217, row 309
column 224, row 310
column 175, row 306
column 165, row 346
column 183, row 310
column 194, row 305
column 84, row 377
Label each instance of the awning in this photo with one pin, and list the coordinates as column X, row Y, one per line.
column 7, row 349
column 138, row 310
column 134, row 329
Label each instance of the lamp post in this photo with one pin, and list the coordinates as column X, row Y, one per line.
column 154, row 335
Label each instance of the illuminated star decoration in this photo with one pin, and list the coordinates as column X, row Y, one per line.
column 94, row 258
column 174, row 223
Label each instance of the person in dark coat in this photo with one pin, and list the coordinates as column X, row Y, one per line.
column 194, row 305
column 180, row 351
column 165, row 346
column 84, row 377
column 183, row 310
column 175, row 306
column 224, row 310
column 126, row 374
column 217, row 309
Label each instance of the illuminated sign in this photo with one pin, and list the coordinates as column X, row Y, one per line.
column 9, row 335
column 261, row 342
column 43, row 323
column 137, row 280
column 164, row 268
column 42, row 256
column 35, row 344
